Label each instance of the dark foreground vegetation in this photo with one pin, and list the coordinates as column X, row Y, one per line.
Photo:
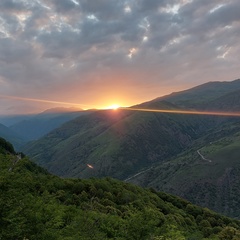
column 37, row 205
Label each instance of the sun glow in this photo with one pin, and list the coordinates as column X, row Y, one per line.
column 113, row 107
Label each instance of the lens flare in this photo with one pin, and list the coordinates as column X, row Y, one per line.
column 90, row 166
column 227, row 114
column 43, row 101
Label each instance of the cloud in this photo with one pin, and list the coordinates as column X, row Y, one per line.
column 135, row 50
column 11, row 5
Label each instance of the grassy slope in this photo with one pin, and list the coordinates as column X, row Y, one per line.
column 205, row 93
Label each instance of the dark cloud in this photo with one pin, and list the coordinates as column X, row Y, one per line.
column 150, row 6
column 11, row 5
column 63, row 6
column 225, row 15
column 13, row 51
column 103, row 9
column 74, row 49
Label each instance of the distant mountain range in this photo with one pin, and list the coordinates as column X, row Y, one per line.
column 21, row 129
column 11, row 136
column 165, row 151
column 38, row 125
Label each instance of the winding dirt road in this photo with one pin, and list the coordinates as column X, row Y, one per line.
column 203, row 158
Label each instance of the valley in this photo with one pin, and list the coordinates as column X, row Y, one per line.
column 176, row 153
column 20, row 129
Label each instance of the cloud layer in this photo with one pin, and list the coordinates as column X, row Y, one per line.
column 102, row 52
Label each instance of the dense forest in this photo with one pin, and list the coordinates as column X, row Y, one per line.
column 37, row 205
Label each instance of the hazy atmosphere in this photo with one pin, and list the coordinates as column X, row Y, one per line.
column 104, row 52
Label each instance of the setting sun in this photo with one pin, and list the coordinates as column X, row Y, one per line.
column 114, row 107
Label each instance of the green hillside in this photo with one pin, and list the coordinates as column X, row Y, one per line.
column 37, row 205
column 202, row 94
column 6, row 147
column 210, row 180
column 228, row 102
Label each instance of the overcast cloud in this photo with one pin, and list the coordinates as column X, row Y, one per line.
column 94, row 52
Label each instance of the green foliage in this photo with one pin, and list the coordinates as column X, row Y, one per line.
column 229, row 233
column 6, row 146
column 37, row 205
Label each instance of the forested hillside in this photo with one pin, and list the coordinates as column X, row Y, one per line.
column 37, row 205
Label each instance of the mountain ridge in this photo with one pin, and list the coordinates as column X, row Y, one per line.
column 212, row 89
column 36, row 126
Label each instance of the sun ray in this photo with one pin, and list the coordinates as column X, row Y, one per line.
column 214, row 113
column 43, row 101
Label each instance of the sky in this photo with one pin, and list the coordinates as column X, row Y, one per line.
column 96, row 53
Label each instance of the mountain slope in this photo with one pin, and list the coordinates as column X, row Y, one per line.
column 207, row 175
column 37, row 205
column 228, row 102
column 6, row 147
column 202, row 94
